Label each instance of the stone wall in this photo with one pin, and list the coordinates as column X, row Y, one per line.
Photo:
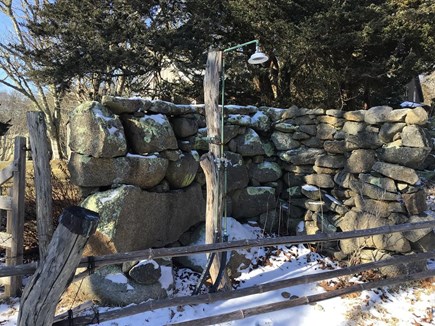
column 296, row 170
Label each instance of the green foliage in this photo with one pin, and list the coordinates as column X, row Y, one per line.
column 332, row 53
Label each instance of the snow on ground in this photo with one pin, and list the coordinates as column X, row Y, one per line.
column 410, row 304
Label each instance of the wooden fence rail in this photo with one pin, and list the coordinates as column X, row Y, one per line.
column 13, row 239
column 118, row 258
column 262, row 288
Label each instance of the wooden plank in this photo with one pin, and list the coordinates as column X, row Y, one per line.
column 5, row 240
column 213, row 174
column 15, row 217
column 6, row 173
column 41, row 165
column 6, row 203
column 261, row 288
column 285, row 304
column 42, row 294
column 118, row 258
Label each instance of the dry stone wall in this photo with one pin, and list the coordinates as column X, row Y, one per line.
column 297, row 170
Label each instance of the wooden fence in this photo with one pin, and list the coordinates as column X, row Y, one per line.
column 100, row 261
column 12, row 240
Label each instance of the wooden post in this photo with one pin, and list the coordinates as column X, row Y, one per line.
column 56, row 270
column 15, row 216
column 42, row 173
column 213, row 175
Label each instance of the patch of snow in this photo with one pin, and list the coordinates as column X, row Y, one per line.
column 300, row 227
column 148, row 261
column 166, row 279
column 99, row 114
column 333, row 199
column 158, row 118
column 117, row 278
column 111, row 194
column 310, row 188
column 112, row 130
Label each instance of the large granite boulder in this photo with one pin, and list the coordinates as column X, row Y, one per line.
column 138, row 170
column 149, row 134
column 132, row 219
column 182, row 172
column 248, row 144
column 377, row 114
column 253, row 201
column 95, row 131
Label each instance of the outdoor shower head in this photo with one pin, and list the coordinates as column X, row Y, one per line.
column 258, row 57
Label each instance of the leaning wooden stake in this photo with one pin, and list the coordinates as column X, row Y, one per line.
column 209, row 163
column 56, row 270
column 41, row 165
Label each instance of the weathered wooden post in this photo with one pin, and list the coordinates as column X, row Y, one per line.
column 42, row 173
column 209, row 162
column 41, row 295
column 15, row 216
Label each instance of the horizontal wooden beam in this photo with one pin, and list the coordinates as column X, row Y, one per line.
column 6, row 203
column 5, row 240
column 7, row 173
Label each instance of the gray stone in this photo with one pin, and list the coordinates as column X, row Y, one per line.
column 313, row 142
column 253, row 201
column 305, row 169
column 335, row 205
column 396, row 172
column 274, row 114
column 248, row 144
column 354, row 220
column 237, row 172
column 320, row 180
column 357, row 115
column 371, row 191
column 389, row 130
column 119, row 105
column 96, row 132
column 333, row 121
column 323, row 170
column 109, row 286
column 308, row 129
column 293, row 112
column 330, row 161
column 377, row 114
column 414, row 136
column 149, row 134
column 301, row 156
column 260, row 121
column 353, row 127
column 398, row 115
column 335, row 146
column 416, row 116
column 407, row 156
column 335, row 113
column 343, row 178
column 232, row 131
column 311, row 192
column 168, row 108
column 325, row 131
column 384, row 183
column 415, row 203
column 142, row 171
column 237, row 109
column 184, row 127
column 360, row 160
column 132, row 219
column 181, row 173
column 378, row 208
column 239, row 120
column 283, row 141
column 300, row 135
column 265, row 172
column 427, row 243
column 146, row 272
column 368, row 256
column 87, row 171
column 286, row 126
column 364, row 140
column 416, row 235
